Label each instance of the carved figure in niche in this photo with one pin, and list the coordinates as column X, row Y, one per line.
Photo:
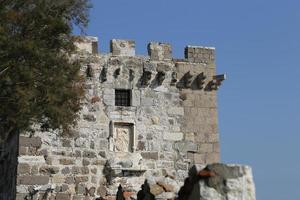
column 188, row 79
column 200, row 80
column 103, row 75
column 122, row 138
column 146, row 77
column 161, row 77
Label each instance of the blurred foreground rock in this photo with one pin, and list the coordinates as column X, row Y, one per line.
column 218, row 182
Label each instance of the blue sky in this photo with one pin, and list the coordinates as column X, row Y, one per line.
column 258, row 46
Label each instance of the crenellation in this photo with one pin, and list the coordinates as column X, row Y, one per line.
column 159, row 51
column 122, row 47
column 199, row 54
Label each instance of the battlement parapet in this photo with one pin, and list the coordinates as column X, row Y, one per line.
column 199, row 54
column 87, row 44
column 157, row 51
column 122, row 47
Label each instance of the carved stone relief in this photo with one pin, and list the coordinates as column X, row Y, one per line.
column 123, row 137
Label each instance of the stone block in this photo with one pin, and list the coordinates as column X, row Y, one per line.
column 22, row 150
column 69, row 180
column 199, row 158
column 205, row 148
column 33, row 180
column 66, row 143
column 146, row 101
column 186, row 146
column 141, row 146
column 136, row 98
column 77, row 153
column 81, row 179
column 80, row 189
column 23, row 168
column 49, row 170
column 200, row 54
column 109, row 100
column 65, row 170
column 212, row 158
column 94, row 170
column 156, row 189
column 173, row 136
column 101, row 190
column 85, row 170
column 150, row 155
column 85, row 162
column 87, row 44
column 216, row 147
column 189, row 137
column 99, row 162
column 30, row 142
column 58, row 179
column 75, row 170
column 66, row 161
column 62, row 196
column 20, row 196
column 122, row 47
column 213, row 137
column 89, row 154
column 33, row 160
column 176, row 111
column 34, row 169
column 159, row 51
column 89, row 117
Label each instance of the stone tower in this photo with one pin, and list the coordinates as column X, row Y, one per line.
column 142, row 117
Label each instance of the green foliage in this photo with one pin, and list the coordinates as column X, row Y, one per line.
column 39, row 83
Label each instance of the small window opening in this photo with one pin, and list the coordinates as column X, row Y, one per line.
column 122, row 97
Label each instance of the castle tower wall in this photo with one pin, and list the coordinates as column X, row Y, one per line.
column 143, row 117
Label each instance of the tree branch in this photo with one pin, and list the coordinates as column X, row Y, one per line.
column 4, row 70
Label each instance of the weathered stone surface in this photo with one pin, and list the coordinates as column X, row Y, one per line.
column 150, row 155
column 30, row 142
column 63, row 196
column 122, row 138
column 80, row 179
column 33, row 180
column 166, row 126
column 66, row 161
column 102, row 191
column 70, row 180
column 65, row 170
column 89, row 117
column 156, row 189
column 49, row 170
column 80, row 189
column 32, row 160
column 160, row 51
column 122, row 47
column 85, row 162
column 23, row 168
column 166, row 187
column 89, row 154
column 173, row 136
column 230, row 182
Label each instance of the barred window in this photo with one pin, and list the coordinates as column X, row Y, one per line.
column 122, row 97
